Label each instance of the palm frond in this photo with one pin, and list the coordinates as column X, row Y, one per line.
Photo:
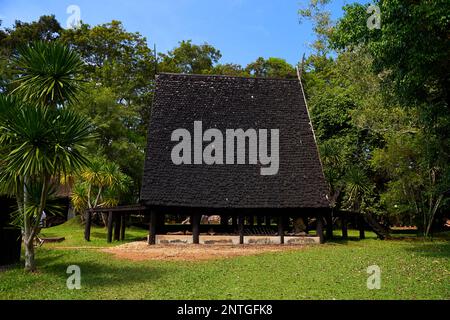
column 47, row 73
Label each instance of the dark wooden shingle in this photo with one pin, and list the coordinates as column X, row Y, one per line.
column 230, row 103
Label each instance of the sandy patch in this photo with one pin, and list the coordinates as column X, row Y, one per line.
column 140, row 251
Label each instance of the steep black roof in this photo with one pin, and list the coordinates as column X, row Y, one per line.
column 225, row 102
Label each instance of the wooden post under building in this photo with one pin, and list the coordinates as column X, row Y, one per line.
column 116, row 227
column 152, row 228
column 87, row 227
column 361, row 226
column 344, row 225
column 329, row 219
column 259, row 220
column 241, row 229
column 195, row 220
column 281, row 228
column 319, row 228
column 122, row 226
column 110, row 227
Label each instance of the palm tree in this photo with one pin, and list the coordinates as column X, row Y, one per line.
column 357, row 185
column 48, row 74
column 41, row 137
column 99, row 185
column 333, row 166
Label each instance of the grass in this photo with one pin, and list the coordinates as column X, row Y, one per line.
column 410, row 269
column 74, row 235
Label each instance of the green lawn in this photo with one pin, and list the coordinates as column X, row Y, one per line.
column 74, row 235
column 411, row 269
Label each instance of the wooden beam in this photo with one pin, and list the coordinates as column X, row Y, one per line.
column 329, row 218
column 234, row 221
column 160, row 223
column 361, row 226
column 281, row 229
column 344, row 225
column 306, row 221
column 152, row 228
column 195, row 221
column 87, row 226
column 241, row 229
column 319, row 227
column 123, row 222
column 116, row 227
column 110, row 227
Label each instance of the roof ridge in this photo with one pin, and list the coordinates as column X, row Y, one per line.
column 197, row 75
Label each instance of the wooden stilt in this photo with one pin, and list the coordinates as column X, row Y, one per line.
column 234, row 221
column 281, row 229
column 196, row 228
column 329, row 219
column 241, row 229
column 116, row 227
column 259, row 220
column 152, row 228
column 344, row 225
column 306, row 221
column 122, row 226
column 361, row 226
column 319, row 228
column 87, row 226
column 223, row 220
column 110, row 227
column 251, row 220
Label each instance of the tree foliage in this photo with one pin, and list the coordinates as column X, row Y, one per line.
column 388, row 92
column 39, row 140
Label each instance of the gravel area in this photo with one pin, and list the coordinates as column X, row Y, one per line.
column 140, row 251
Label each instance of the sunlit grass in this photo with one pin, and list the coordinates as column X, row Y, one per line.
column 410, row 269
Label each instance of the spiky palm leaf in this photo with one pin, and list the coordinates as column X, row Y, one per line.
column 357, row 184
column 100, row 184
column 41, row 141
column 331, row 154
column 47, row 73
column 79, row 197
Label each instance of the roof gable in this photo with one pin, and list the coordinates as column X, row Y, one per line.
column 223, row 102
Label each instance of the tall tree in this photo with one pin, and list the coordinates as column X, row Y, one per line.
column 120, row 68
column 120, row 60
column 41, row 139
column 47, row 28
column 271, row 68
column 190, row 58
column 117, row 140
column 411, row 54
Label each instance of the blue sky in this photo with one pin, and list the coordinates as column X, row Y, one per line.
column 242, row 29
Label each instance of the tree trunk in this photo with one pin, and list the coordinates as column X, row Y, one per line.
column 30, row 263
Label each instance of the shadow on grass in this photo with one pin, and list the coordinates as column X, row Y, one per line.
column 98, row 274
column 340, row 240
column 434, row 249
column 128, row 237
column 98, row 235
